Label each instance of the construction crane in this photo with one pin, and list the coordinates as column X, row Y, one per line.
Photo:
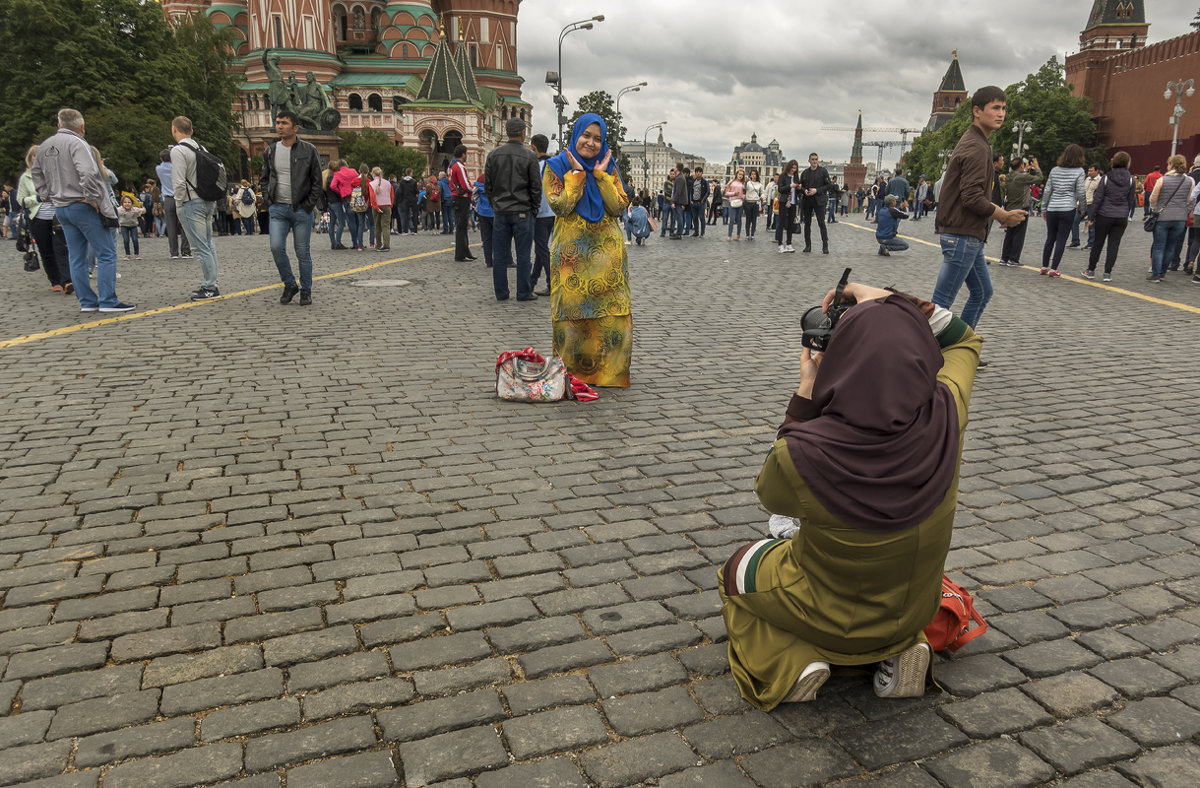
column 881, row 146
column 893, row 129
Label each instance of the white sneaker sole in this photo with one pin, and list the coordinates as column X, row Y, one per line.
column 909, row 682
column 805, row 688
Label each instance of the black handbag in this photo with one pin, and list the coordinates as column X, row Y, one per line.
column 1151, row 220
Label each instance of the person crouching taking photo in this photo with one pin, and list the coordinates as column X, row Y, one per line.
column 873, row 473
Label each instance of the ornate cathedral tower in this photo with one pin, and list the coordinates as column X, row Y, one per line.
column 488, row 30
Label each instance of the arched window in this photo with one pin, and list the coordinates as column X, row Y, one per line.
column 375, row 19
column 360, row 19
column 355, row 102
column 375, row 102
column 404, row 51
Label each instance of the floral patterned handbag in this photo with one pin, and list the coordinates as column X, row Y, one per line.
column 524, row 376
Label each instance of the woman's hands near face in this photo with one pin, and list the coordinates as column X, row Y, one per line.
column 601, row 166
column 575, row 165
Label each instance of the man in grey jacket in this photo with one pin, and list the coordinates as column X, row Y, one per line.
column 195, row 213
column 65, row 173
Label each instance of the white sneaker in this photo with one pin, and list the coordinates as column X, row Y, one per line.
column 790, row 248
column 805, row 688
column 781, row 249
column 904, row 676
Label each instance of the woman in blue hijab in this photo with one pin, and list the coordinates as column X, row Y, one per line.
column 589, row 270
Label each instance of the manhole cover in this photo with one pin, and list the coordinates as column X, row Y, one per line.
column 381, row 283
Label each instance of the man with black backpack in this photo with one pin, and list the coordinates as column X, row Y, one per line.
column 199, row 180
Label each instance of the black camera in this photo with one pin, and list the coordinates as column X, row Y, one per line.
column 818, row 325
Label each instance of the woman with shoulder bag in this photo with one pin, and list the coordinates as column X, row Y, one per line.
column 1114, row 198
column 753, row 204
column 787, row 184
column 735, row 195
column 1169, row 201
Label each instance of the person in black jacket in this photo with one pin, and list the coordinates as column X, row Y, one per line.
column 788, row 191
column 407, row 190
column 291, row 187
column 815, row 184
column 513, row 184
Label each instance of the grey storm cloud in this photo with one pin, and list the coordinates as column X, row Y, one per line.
column 720, row 71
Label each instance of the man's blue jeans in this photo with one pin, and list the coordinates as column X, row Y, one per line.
column 697, row 212
column 507, row 229
column 1166, row 238
column 963, row 261
column 683, row 218
column 337, row 222
column 893, row 244
column 195, row 216
column 918, row 209
column 81, row 229
column 355, row 222
column 284, row 219
column 447, row 216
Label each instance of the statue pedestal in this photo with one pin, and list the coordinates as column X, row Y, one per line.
column 326, row 143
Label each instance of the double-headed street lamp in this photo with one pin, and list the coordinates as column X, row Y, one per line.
column 555, row 77
column 1021, row 127
column 630, row 89
column 645, row 155
column 1177, row 89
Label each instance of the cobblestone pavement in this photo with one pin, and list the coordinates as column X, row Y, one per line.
column 307, row 546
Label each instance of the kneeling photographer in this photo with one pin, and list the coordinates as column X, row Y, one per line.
column 868, row 458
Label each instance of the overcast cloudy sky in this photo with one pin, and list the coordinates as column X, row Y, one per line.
column 720, row 69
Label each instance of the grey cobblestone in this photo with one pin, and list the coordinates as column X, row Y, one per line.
column 189, row 767
column 153, row 739
column 316, row 741
column 451, row 755
column 103, row 714
column 637, row 760
column 1079, row 744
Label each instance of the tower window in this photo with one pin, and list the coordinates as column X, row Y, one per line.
column 278, row 31
column 355, row 102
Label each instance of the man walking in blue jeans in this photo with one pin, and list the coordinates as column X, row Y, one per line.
column 291, row 186
column 195, row 213
column 965, row 209
column 513, row 184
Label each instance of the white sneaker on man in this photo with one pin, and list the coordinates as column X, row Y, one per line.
column 805, row 688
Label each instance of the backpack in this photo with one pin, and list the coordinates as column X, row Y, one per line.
column 434, row 194
column 247, row 197
column 211, row 183
column 951, row 628
column 358, row 203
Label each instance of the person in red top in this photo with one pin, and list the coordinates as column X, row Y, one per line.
column 343, row 182
column 1151, row 179
column 460, row 188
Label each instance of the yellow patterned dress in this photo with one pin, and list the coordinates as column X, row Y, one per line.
column 589, row 281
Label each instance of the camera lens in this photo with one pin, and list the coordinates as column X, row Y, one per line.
column 813, row 318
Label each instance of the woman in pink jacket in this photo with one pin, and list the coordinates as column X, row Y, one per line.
column 343, row 182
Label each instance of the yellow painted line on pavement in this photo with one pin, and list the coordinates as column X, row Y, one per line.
column 1160, row 301
column 120, row 318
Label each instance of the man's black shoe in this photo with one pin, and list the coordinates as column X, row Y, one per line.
column 206, row 294
column 983, row 363
column 530, row 297
column 305, row 297
column 825, row 249
column 676, row 237
column 470, row 257
column 339, row 246
column 807, row 248
column 883, row 252
column 289, row 292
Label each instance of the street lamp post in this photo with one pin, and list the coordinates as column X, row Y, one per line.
column 645, row 155
column 1177, row 90
column 559, row 100
column 623, row 91
column 1021, row 127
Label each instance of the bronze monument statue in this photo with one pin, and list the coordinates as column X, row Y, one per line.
column 308, row 100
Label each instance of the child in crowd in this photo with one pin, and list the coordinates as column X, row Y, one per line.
column 128, row 216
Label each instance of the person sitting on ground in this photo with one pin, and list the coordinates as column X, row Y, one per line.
column 885, row 227
column 872, row 470
column 637, row 221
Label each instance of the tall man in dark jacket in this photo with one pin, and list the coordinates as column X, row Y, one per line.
column 965, row 208
column 815, row 185
column 291, row 186
column 680, row 200
column 406, row 197
column 513, row 183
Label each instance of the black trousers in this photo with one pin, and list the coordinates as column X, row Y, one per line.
column 462, row 223
column 809, row 206
column 1014, row 242
column 52, row 247
column 783, row 223
column 1111, row 230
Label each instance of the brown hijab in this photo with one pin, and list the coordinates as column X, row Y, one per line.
column 883, row 451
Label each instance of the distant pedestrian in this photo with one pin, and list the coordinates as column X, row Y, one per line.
column 406, row 195
column 195, row 212
column 1025, row 174
column 735, row 197
column 543, row 226
column 459, row 188
column 755, row 193
column 65, row 172
column 512, row 180
column 170, row 208
column 380, row 196
column 1062, row 197
column 1172, row 210
column 291, row 184
column 886, row 226
column 816, row 187
column 1109, row 214
column 787, row 186
column 47, row 233
column 129, row 218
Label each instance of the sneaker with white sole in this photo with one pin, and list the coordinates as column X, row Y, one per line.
column 789, row 248
column 781, row 249
column 118, row 307
column 805, row 688
column 904, row 676
column 1108, row 277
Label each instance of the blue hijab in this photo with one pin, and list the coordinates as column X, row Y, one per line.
column 591, row 204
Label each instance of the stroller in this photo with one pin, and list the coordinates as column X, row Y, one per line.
column 26, row 245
